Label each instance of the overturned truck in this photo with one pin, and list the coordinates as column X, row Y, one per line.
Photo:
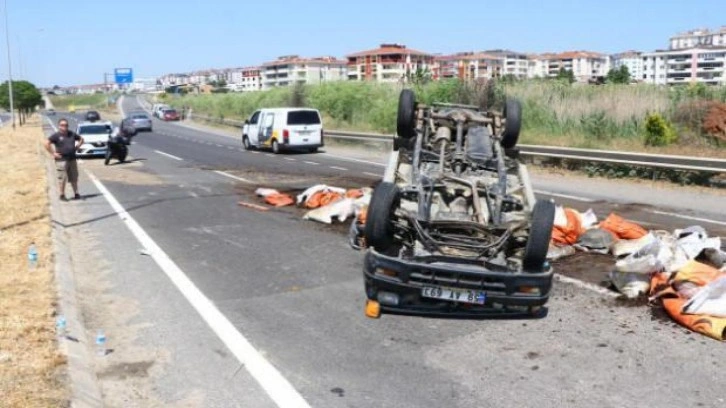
column 453, row 228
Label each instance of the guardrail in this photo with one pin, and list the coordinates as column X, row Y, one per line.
column 672, row 162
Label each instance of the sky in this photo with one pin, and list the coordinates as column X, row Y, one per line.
column 71, row 42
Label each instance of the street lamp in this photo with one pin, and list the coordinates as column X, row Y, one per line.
column 10, row 66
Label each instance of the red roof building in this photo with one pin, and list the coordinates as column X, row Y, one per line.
column 387, row 63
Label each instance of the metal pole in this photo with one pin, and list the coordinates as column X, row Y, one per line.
column 10, row 71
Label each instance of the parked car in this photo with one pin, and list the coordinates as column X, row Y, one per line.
column 95, row 136
column 454, row 228
column 283, row 128
column 127, row 127
column 92, row 116
column 141, row 121
column 169, row 114
column 50, row 112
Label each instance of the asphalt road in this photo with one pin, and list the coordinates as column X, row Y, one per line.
column 294, row 289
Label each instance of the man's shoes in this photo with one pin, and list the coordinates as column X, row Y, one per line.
column 77, row 197
column 63, row 197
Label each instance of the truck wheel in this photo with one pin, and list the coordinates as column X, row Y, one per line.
column 379, row 227
column 275, row 147
column 246, row 143
column 513, row 123
column 405, row 124
column 540, row 234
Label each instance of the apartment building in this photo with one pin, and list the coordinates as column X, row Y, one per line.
column 631, row 59
column 513, row 63
column 538, row 65
column 585, row 65
column 245, row 79
column 387, row 63
column 699, row 38
column 174, row 79
column 467, row 66
column 291, row 69
column 671, row 67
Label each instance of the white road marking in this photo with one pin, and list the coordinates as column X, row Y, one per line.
column 269, row 154
column 571, row 197
column 252, row 151
column 171, row 156
column 339, row 168
column 232, row 176
column 311, row 163
column 219, row 145
column 230, row 147
column 354, row 160
column 585, row 285
column 193, row 194
column 277, row 387
column 371, row 174
column 687, row 217
column 290, row 159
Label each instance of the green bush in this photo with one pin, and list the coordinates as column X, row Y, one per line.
column 591, row 116
column 658, row 131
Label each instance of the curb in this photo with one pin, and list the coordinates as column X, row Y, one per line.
column 84, row 383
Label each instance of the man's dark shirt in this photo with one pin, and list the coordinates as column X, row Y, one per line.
column 65, row 144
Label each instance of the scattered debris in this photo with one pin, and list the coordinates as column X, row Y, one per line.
column 253, row 206
column 694, row 297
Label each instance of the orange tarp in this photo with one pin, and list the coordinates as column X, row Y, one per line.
column 354, row 193
column 622, row 228
column 279, row 199
column 569, row 233
column 322, row 198
column 664, row 288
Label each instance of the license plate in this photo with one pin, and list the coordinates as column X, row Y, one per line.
column 454, row 295
column 305, row 140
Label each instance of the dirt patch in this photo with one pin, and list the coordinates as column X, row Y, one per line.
column 124, row 370
column 31, row 366
column 585, row 266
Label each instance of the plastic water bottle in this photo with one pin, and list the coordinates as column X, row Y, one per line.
column 32, row 256
column 60, row 325
column 100, row 343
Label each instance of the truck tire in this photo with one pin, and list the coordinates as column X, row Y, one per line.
column 246, row 142
column 275, row 147
column 513, row 123
column 540, row 234
column 378, row 230
column 406, row 120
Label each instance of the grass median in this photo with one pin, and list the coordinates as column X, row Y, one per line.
column 31, row 366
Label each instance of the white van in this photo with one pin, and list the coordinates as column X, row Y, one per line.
column 283, row 128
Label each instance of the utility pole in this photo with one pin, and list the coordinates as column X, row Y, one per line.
column 10, row 66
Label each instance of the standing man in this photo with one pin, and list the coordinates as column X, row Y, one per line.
column 66, row 144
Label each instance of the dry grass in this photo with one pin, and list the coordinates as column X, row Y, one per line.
column 574, row 102
column 30, row 363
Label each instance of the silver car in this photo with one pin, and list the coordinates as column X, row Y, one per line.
column 141, row 121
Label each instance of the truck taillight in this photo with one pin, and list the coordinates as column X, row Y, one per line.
column 286, row 136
